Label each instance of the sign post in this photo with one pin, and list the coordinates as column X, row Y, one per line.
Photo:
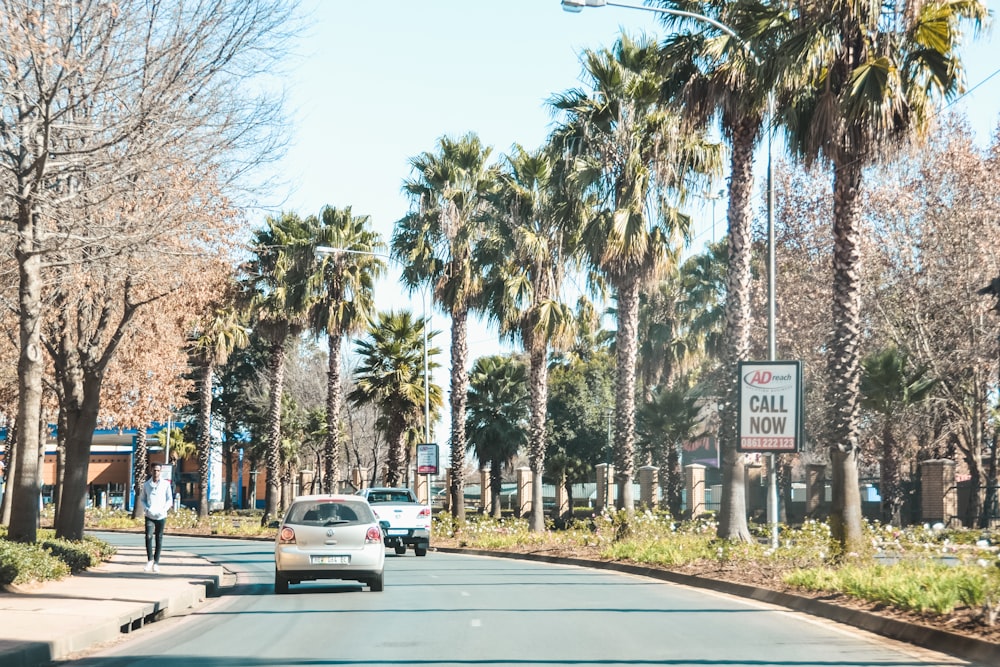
column 427, row 464
column 770, row 418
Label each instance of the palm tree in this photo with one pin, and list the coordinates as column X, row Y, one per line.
column 630, row 154
column 888, row 387
column 344, row 306
column 665, row 423
column 435, row 243
column 870, row 73
column 497, row 418
column 276, row 287
column 681, row 321
column 391, row 377
column 729, row 79
column 178, row 449
column 524, row 256
column 211, row 347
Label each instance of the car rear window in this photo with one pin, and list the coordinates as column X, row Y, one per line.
column 388, row 497
column 329, row 513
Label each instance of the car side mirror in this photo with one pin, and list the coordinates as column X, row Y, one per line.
column 274, row 524
column 384, row 525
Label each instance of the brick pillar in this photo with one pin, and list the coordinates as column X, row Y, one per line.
column 605, row 483
column 815, row 489
column 938, row 494
column 305, row 482
column 694, row 483
column 647, row 486
column 485, row 493
column 523, row 491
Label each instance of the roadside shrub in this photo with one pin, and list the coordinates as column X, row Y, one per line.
column 241, row 524
column 78, row 554
column 915, row 586
column 74, row 554
column 26, row 563
column 111, row 519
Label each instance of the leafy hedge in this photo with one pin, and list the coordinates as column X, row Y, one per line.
column 48, row 558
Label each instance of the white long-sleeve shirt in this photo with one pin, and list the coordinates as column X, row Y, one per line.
column 157, row 498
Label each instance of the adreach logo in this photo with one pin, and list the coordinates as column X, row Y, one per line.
column 768, row 380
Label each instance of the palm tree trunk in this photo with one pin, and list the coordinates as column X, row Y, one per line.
column 332, row 443
column 889, row 484
column 397, row 442
column 844, row 359
column 459, row 386
column 139, row 466
column 845, row 514
column 496, row 487
column 227, row 462
column 204, row 436
column 627, row 351
column 674, row 480
column 733, row 509
column 538, row 372
column 271, row 504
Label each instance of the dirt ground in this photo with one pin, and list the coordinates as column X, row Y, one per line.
column 965, row 621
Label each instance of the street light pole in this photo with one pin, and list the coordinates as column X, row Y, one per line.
column 577, row 6
column 329, row 250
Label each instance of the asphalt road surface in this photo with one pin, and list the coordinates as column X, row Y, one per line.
column 447, row 609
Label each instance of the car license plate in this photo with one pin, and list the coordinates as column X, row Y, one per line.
column 396, row 531
column 330, row 560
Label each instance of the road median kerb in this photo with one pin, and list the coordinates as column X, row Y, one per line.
column 942, row 641
column 55, row 619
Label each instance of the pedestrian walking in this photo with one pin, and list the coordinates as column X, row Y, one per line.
column 157, row 499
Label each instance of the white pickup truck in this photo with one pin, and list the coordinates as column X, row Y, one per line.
column 405, row 522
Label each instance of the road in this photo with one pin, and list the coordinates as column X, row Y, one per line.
column 447, row 609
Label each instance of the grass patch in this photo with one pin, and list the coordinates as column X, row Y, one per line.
column 918, row 586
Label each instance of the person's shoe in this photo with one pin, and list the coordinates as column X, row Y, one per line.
column 156, row 567
column 149, row 566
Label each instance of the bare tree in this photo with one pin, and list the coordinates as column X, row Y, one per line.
column 103, row 106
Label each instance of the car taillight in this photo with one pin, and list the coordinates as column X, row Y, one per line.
column 425, row 512
column 286, row 536
column 373, row 535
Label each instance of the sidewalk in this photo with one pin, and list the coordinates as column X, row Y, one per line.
column 49, row 621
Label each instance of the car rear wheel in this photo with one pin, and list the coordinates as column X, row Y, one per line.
column 420, row 549
column 280, row 583
column 376, row 583
column 400, row 549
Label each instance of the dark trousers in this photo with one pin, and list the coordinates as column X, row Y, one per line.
column 154, row 538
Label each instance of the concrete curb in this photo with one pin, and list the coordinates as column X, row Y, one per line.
column 942, row 641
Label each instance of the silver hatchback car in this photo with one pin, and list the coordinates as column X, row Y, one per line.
column 329, row 537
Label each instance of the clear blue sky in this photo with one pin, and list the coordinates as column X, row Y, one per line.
column 380, row 81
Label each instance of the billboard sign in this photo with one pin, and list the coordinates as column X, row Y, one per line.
column 703, row 450
column 427, row 459
column 770, row 400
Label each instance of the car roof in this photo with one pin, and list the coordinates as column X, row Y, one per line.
column 327, row 496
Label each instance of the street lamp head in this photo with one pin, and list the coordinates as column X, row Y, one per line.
column 578, row 5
